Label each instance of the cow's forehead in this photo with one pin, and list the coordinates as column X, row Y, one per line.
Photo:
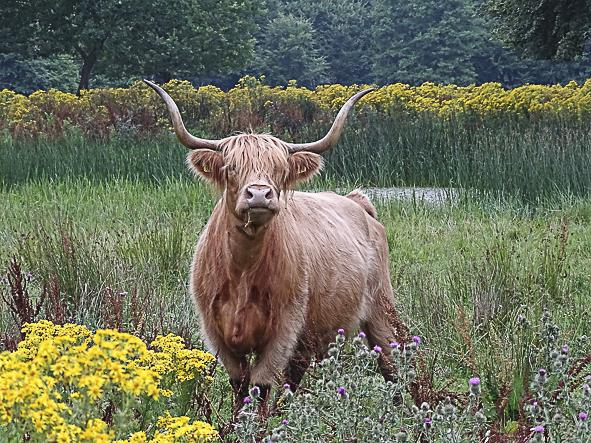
column 255, row 153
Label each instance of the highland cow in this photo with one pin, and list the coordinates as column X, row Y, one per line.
column 276, row 272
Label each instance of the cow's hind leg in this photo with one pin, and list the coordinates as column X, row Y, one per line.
column 297, row 367
column 383, row 327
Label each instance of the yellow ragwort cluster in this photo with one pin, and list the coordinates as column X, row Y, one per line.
column 251, row 104
column 60, row 381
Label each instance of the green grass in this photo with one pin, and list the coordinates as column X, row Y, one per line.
column 462, row 273
column 107, row 230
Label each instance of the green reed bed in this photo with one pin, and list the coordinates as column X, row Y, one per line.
column 530, row 159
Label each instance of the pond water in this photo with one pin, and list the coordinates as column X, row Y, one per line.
column 428, row 195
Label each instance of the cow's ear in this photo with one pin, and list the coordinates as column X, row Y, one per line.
column 303, row 166
column 207, row 164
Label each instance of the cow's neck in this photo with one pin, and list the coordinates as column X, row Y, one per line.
column 246, row 246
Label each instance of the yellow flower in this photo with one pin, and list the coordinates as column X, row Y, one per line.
column 59, row 371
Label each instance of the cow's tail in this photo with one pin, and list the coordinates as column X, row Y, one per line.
column 363, row 200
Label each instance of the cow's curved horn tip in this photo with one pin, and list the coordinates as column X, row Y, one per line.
column 149, row 83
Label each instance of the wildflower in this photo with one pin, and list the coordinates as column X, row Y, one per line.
column 341, row 391
column 541, row 376
column 287, row 386
column 416, row 340
column 583, row 416
column 247, row 400
column 361, row 334
column 341, row 331
column 285, row 422
column 564, row 349
column 538, row 429
column 474, row 383
column 394, row 345
column 255, row 391
column 427, row 422
column 377, row 349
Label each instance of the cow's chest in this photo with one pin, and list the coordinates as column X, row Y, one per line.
column 244, row 312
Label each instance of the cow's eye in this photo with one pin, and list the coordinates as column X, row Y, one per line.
column 230, row 173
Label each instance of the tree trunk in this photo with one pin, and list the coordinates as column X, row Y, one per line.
column 163, row 77
column 88, row 64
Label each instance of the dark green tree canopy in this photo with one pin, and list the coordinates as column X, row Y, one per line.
column 543, row 29
column 288, row 51
column 155, row 37
column 416, row 41
column 342, row 34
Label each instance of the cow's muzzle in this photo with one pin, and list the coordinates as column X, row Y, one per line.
column 258, row 203
column 259, row 197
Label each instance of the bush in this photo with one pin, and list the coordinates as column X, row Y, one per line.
column 67, row 384
column 252, row 105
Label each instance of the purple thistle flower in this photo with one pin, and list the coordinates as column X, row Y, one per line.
column 394, row 345
column 377, row 349
column 428, row 421
column 474, row 381
column 255, row 391
column 247, row 400
column 564, row 349
column 583, row 416
column 416, row 339
column 341, row 331
column 341, row 391
column 361, row 334
column 286, row 386
column 285, row 422
column 538, row 428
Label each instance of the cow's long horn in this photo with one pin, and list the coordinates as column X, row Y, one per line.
column 182, row 134
column 333, row 135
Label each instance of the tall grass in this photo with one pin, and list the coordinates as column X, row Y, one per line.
column 534, row 160
column 104, row 231
column 462, row 273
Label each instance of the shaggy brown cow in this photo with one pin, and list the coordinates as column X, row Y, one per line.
column 276, row 272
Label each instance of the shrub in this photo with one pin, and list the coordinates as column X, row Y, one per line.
column 67, row 384
column 253, row 105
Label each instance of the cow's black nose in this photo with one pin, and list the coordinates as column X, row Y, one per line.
column 259, row 196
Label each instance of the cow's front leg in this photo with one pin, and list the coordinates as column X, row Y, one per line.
column 270, row 364
column 239, row 374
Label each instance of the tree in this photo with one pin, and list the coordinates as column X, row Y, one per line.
column 543, row 29
column 423, row 40
column 25, row 75
column 155, row 37
column 342, row 30
column 288, row 50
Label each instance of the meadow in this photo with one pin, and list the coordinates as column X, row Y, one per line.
column 100, row 232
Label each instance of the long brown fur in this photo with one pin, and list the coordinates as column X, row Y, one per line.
column 281, row 292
